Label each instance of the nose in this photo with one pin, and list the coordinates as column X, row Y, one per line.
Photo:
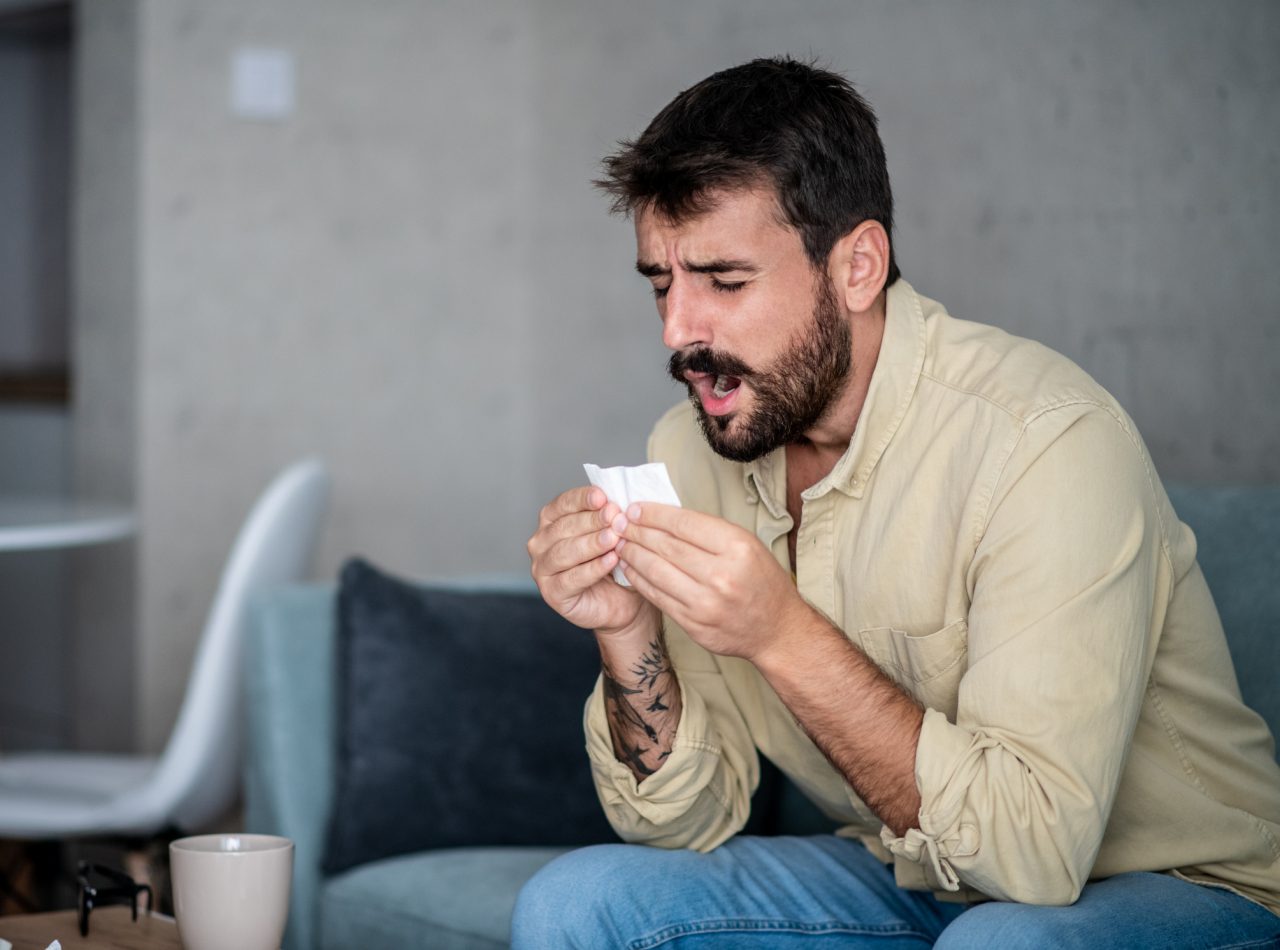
column 682, row 322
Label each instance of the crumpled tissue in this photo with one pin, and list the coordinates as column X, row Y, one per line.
column 625, row 484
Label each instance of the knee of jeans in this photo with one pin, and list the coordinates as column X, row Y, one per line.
column 567, row 903
column 1000, row 924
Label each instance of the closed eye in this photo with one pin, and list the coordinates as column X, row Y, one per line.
column 719, row 286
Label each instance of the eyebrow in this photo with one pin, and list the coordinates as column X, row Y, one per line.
column 717, row 266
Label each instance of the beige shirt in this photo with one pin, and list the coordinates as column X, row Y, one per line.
column 996, row 540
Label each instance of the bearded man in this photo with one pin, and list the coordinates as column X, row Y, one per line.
column 925, row 567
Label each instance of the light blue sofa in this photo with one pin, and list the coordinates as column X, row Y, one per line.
column 462, row 898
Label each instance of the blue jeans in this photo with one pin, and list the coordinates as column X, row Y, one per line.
column 826, row 892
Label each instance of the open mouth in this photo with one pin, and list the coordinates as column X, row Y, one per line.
column 717, row 392
column 725, row 385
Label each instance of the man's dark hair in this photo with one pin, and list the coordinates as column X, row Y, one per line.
column 801, row 129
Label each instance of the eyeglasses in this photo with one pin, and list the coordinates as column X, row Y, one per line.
column 106, row 886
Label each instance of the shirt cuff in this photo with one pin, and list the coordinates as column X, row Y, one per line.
column 946, row 757
column 670, row 791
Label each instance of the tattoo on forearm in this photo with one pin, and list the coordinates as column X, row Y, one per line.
column 652, row 665
column 622, row 710
column 642, row 720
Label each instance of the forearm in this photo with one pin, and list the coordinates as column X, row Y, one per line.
column 701, row 796
column 641, row 693
column 864, row 724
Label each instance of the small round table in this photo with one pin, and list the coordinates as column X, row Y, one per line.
column 31, row 523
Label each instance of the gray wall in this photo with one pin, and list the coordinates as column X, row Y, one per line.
column 34, row 104
column 34, row 438
column 35, row 710
column 108, row 375
column 412, row 277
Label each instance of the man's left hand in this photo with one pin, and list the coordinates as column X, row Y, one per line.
column 716, row 580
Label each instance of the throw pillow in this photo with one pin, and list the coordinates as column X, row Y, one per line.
column 459, row 722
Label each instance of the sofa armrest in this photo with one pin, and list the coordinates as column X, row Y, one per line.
column 289, row 769
column 1236, row 531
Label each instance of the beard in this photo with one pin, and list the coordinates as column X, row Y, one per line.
column 791, row 396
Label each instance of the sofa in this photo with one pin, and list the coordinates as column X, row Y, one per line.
column 462, row 895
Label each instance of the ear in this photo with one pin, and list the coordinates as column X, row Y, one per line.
column 859, row 265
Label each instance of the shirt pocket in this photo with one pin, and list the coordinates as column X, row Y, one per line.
column 929, row 667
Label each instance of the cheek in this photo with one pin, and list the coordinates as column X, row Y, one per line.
column 769, row 325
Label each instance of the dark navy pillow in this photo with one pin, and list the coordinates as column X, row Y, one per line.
column 459, row 722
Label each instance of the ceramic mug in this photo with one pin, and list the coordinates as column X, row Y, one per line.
column 231, row 890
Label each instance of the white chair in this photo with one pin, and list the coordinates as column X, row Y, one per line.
column 63, row 795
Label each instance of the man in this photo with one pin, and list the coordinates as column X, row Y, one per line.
column 923, row 566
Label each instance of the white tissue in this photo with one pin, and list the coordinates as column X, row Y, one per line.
column 624, row 485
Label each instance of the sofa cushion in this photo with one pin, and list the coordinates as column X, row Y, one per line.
column 1236, row 530
column 459, row 722
column 457, row 899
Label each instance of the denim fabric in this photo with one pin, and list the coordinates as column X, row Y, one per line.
column 1136, row 910
column 825, row 892
column 814, row 892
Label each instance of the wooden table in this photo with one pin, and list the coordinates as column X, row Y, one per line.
column 110, row 928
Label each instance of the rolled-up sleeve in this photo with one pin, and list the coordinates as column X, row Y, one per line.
column 1068, row 587
column 701, row 796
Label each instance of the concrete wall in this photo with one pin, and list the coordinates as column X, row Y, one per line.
column 35, row 706
column 411, row 276
column 35, row 118
column 34, row 159
column 108, row 322
column 1099, row 176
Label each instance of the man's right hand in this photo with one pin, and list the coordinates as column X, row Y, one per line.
column 573, row 554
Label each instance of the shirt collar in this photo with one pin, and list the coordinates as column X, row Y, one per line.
column 893, row 383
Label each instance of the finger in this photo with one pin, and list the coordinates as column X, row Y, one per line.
column 577, row 550
column 584, row 498
column 705, row 531
column 655, row 594
column 572, row 526
column 692, row 560
column 659, row 573
column 574, row 581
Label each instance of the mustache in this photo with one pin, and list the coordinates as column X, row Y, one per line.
column 706, row 360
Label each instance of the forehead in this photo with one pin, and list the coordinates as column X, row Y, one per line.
column 738, row 224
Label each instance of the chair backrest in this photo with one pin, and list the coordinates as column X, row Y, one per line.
column 1238, row 547
column 198, row 776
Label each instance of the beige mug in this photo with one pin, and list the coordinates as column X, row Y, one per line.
column 231, row 890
